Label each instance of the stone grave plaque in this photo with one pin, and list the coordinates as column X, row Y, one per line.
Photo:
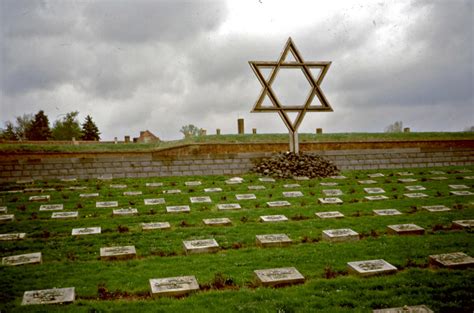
column 14, row 191
column 106, row 204
column 86, row 231
column 247, row 196
column 257, row 187
column 25, row 181
column 49, row 189
column 105, row 177
column 415, row 188
column 29, row 258
column 273, row 240
column 3, row 209
column 376, row 198
column 273, row 218
column 212, row 189
column 330, row 214
column 300, row 178
column 229, row 206
column 200, row 199
column 118, row 186
column 375, row 175
column 6, row 218
column 371, row 267
column 463, row 170
column 121, row 212
column 415, row 195
column 328, row 184
column 405, row 174
column 438, row 178
column 132, row 193
column 154, row 184
column 275, row 204
column 49, row 296
column 65, row 215
column 458, row 224
column 406, row 180
column 332, row 192
column 77, row 188
column 173, row 286
column 406, row 309
column 436, row 208
column 192, row 183
column 222, row 221
column 118, row 253
column 367, row 182
column 40, row 198
column 458, row 186
column 329, row 200
column 172, row 191
column 234, row 180
column 374, row 190
column 405, row 229
column 468, row 177
column 340, row 235
column 178, row 209
column 279, row 276
column 200, row 246
column 156, row 225
column 452, row 260
column 68, row 179
column 461, row 193
column 338, row 177
column 387, row 212
column 292, row 194
column 154, row 201
column 33, row 189
column 12, row 236
column 89, row 195
column 51, row 207
column 437, row 173
column 291, row 186
column 266, row 180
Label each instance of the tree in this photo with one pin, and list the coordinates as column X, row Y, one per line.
column 396, row 127
column 9, row 132
column 67, row 128
column 23, row 123
column 39, row 128
column 469, row 129
column 90, row 131
column 190, row 131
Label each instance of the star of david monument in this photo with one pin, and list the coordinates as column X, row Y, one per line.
column 284, row 108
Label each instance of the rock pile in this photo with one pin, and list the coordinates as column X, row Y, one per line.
column 289, row 165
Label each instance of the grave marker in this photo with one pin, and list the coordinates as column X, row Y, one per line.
column 340, row 235
column 65, row 215
column 273, row 240
column 371, row 267
column 118, row 253
column 200, row 199
column 212, row 189
column 291, row 186
column 415, row 195
column 452, row 260
column 132, row 193
column 118, row 186
column 266, row 180
column 367, row 182
column 248, row 196
column 461, row 193
column 154, row 201
column 301, row 178
column 3, row 209
column 33, row 189
column 234, row 180
column 223, row 221
column 258, row 187
column 51, row 207
column 172, row 191
column 406, row 309
column 328, row 184
column 178, row 209
column 437, row 173
column 29, row 258
column 376, row 198
column 375, row 175
column 121, row 212
column 338, row 177
column 6, row 218
column 387, row 212
column 406, row 180
column 12, row 236
column 105, row 177
column 77, row 188
column 49, row 296
column 192, row 183
column 229, row 206
column 279, row 276
column 154, row 184
column 273, row 218
column 275, row 204
column 438, row 178
column 156, row 225
column 330, row 201
column 200, row 246
column 330, row 214
column 40, row 198
column 106, row 204
column 86, row 231
column 415, row 188
column 292, row 194
column 436, row 208
column 405, row 174
column 458, row 186
column 332, row 192
column 173, row 286
column 89, row 195
column 458, row 224
column 374, row 190
column 405, row 229
column 25, row 181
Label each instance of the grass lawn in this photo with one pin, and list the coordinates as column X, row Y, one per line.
column 226, row 278
column 337, row 137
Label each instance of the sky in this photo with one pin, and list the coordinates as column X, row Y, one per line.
column 158, row 65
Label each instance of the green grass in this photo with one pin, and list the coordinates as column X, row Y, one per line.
column 130, row 147
column 74, row 261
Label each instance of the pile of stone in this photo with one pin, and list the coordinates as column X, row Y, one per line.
column 290, row 165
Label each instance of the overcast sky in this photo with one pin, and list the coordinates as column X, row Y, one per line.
column 158, row 65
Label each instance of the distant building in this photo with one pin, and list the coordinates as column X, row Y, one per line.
column 146, row 137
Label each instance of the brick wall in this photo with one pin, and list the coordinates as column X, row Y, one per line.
column 41, row 166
